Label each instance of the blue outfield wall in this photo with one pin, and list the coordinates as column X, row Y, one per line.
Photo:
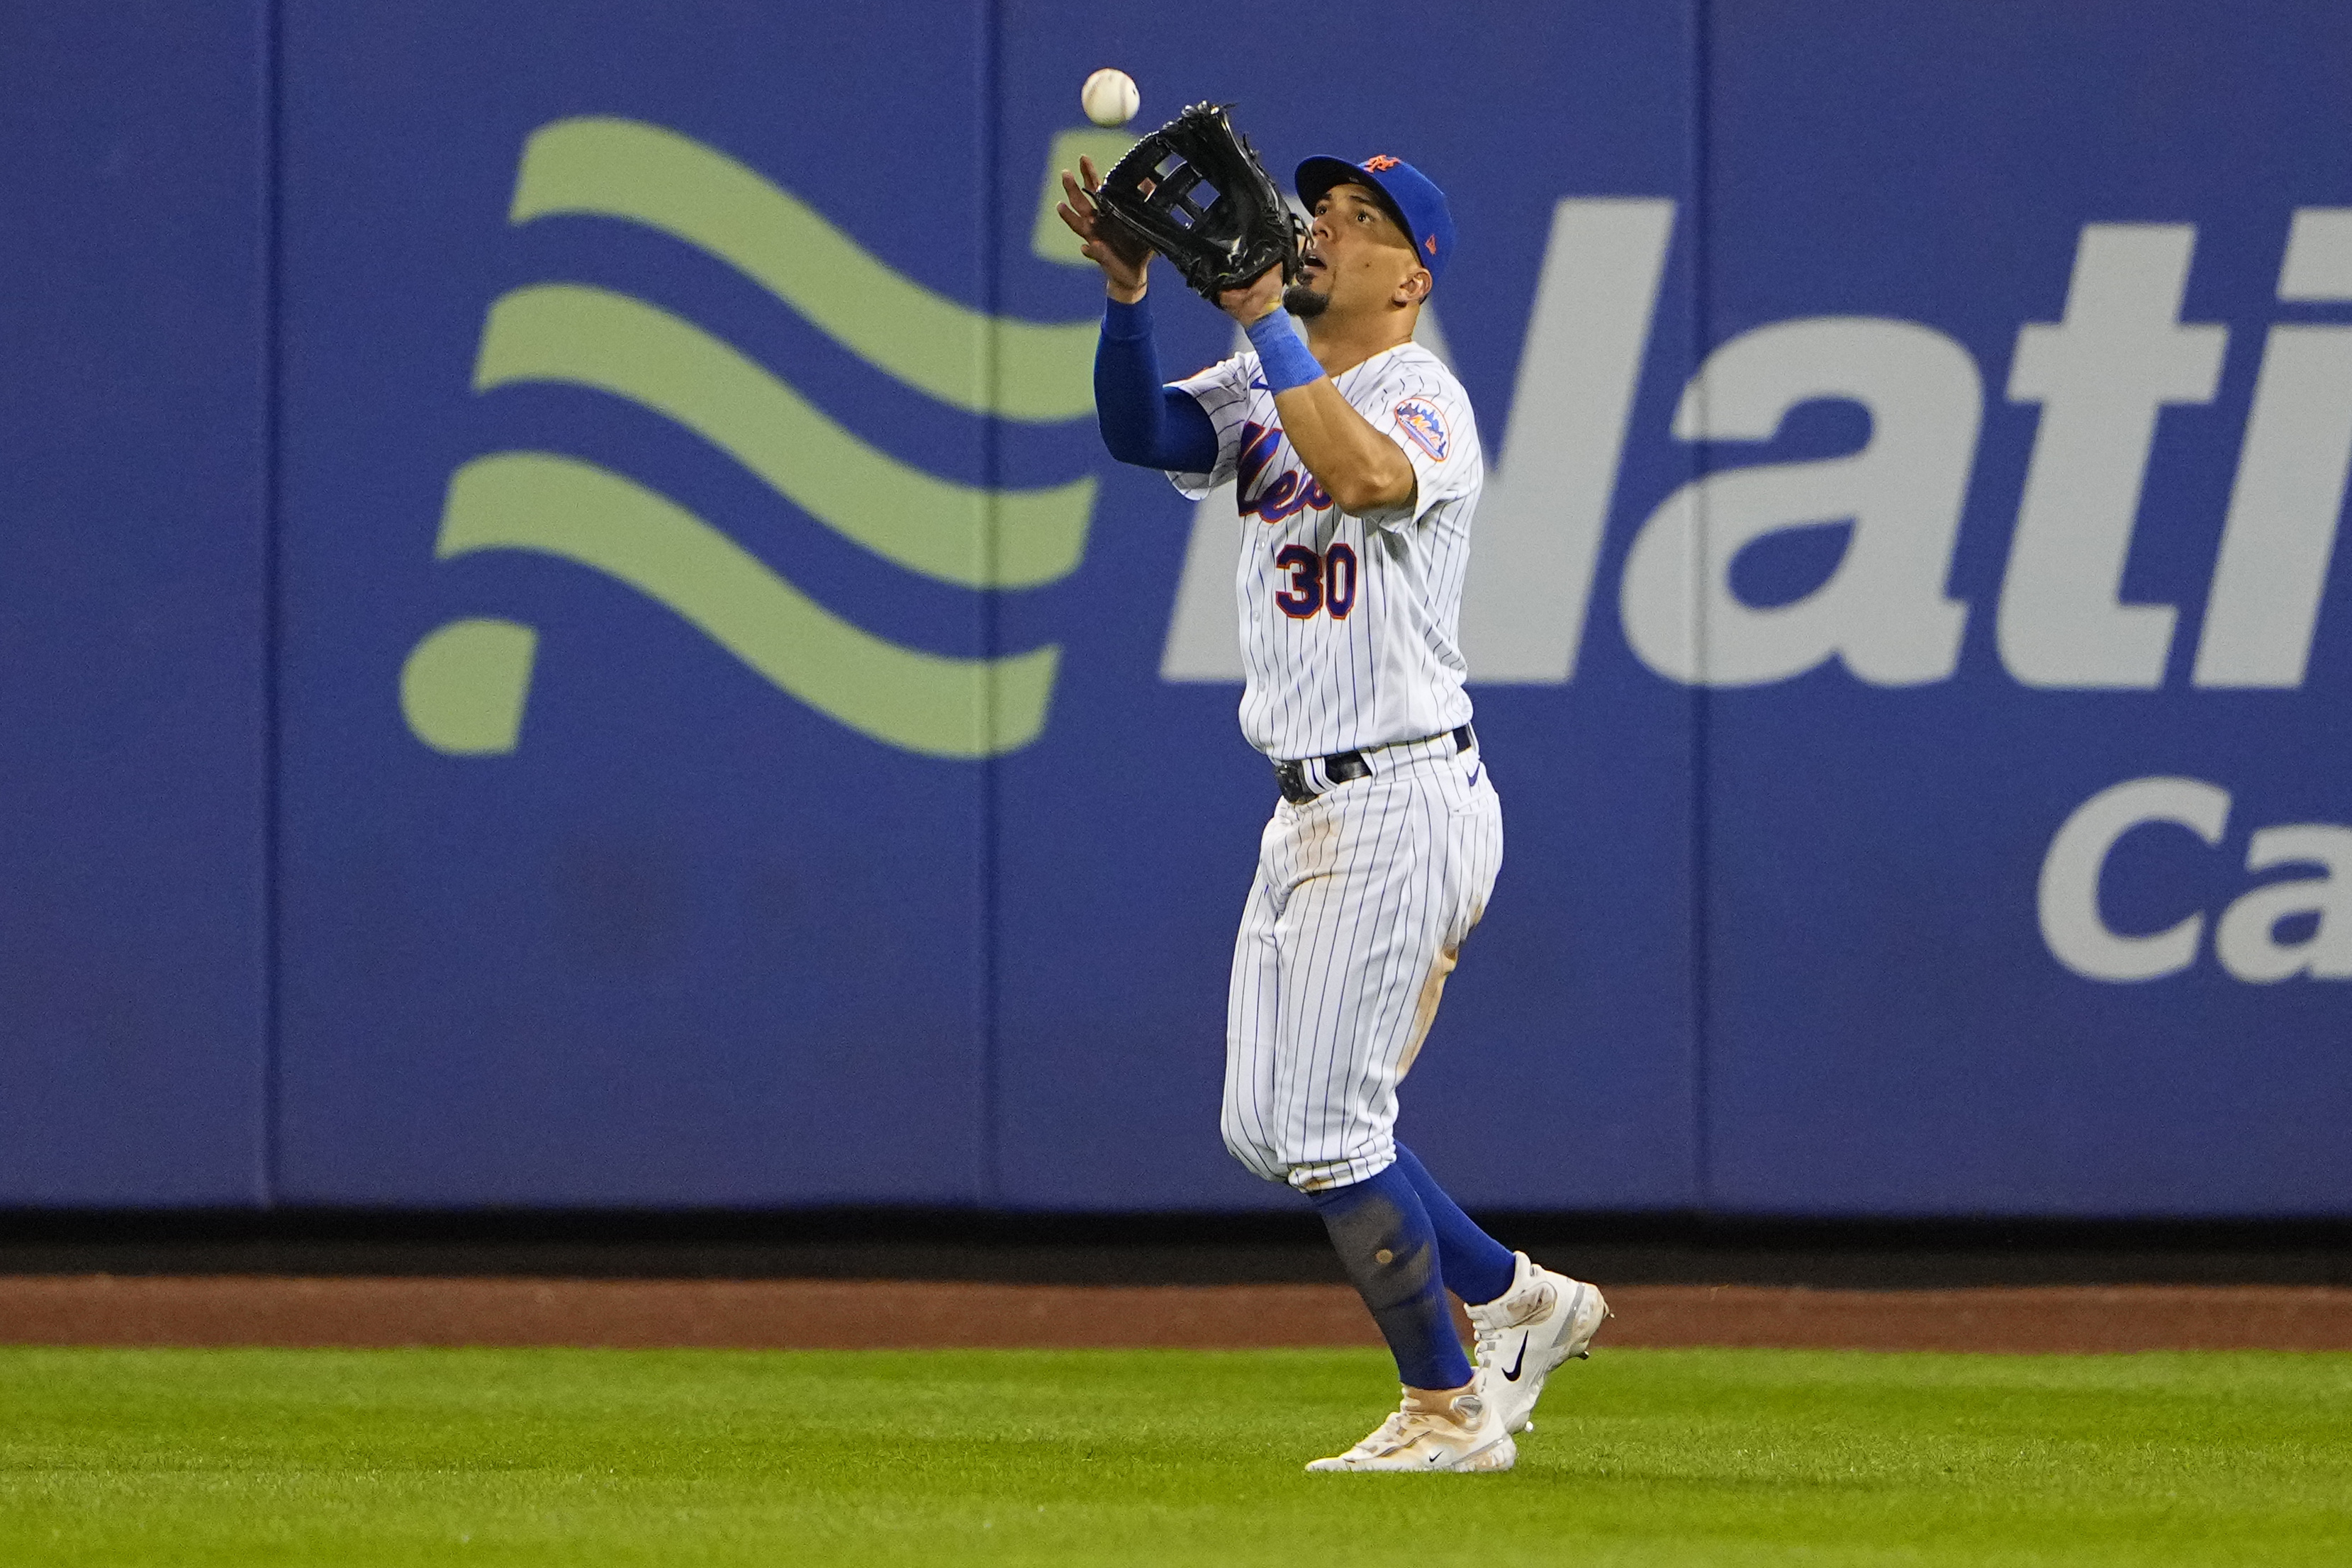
column 134, row 564
column 571, row 640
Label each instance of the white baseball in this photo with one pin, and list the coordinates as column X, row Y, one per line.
column 1109, row 97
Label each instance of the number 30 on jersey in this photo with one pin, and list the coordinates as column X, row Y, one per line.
column 1325, row 582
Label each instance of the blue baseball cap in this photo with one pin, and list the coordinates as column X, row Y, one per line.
column 1414, row 199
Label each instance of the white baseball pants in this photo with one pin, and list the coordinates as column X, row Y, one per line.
column 1363, row 899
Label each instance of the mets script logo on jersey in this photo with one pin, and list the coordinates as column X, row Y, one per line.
column 1419, row 419
column 1287, row 493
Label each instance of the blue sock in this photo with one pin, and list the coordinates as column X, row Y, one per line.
column 1384, row 1240
column 1476, row 1265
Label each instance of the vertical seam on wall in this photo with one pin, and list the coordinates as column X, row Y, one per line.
column 1702, row 711
column 272, row 619
column 987, row 1184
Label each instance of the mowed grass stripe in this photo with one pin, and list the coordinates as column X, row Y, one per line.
column 710, row 1457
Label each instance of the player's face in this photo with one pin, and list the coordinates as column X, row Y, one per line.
column 1357, row 259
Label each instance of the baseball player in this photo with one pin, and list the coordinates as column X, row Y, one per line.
column 1358, row 469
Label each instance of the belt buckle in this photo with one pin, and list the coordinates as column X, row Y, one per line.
column 1291, row 778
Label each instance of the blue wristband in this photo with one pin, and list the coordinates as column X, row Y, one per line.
column 1282, row 353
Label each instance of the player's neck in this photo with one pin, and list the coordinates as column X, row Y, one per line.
column 1341, row 345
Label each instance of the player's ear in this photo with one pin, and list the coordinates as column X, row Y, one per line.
column 1415, row 287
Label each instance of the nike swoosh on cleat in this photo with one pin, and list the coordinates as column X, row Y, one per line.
column 1513, row 1374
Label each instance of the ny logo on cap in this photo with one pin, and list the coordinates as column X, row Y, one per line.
column 1379, row 163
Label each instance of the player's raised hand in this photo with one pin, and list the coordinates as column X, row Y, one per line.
column 1261, row 299
column 1125, row 260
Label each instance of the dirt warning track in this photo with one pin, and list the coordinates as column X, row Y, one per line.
column 810, row 1314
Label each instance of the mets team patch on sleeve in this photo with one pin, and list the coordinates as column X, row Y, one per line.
column 1419, row 419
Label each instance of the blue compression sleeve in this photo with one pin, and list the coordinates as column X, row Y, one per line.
column 1476, row 1267
column 1143, row 422
column 1382, row 1235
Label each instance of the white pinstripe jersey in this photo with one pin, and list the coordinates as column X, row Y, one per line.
column 1351, row 626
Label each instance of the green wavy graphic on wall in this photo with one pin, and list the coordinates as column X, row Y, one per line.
column 465, row 687
column 648, row 174
column 578, row 511
column 564, row 333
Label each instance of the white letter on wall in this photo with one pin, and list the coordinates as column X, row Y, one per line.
column 1883, row 610
column 2101, row 376
column 2244, row 940
column 2072, row 927
column 1537, row 536
column 2281, row 534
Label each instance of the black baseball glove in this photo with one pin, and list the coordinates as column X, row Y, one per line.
column 1194, row 191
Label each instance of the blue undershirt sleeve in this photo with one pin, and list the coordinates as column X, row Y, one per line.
column 1144, row 422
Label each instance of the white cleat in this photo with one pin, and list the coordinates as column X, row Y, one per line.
column 1543, row 1320
column 1432, row 1431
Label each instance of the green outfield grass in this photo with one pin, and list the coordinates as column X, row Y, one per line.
column 1642, row 1457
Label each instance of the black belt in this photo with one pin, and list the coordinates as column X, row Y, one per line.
column 1341, row 766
